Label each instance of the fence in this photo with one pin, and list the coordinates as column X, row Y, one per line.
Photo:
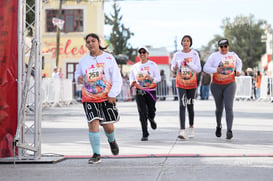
column 244, row 89
column 56, row 92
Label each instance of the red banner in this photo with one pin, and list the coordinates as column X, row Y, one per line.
column 8, row 74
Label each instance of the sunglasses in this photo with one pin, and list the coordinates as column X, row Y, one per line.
column 142, row 52
column 223, row 46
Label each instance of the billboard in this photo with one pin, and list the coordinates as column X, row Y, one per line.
column 8, row 75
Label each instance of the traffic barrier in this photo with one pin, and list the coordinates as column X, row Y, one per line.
column 267, row 88
column 244, row 87
column 56, row 92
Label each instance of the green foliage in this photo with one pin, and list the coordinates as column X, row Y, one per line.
column 120, row 34
column 30, row 16
column 244, row 35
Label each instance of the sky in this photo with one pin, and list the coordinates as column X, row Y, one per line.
column 161, row 23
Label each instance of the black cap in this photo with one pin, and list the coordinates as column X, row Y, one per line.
column 223, row 42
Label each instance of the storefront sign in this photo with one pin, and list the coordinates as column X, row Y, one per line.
column 67, row 49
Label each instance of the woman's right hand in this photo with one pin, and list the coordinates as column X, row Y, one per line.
column 175, row 67
column 136, row 85
column 219, row 69
column 80, row 79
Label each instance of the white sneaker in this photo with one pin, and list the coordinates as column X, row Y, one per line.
column 191, row 132
column 182, row 134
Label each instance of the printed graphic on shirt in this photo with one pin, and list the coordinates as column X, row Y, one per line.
column 186, row 78
column 227, row 75
column 96, row 87
column 142, row 78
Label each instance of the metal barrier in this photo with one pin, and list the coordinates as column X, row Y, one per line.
column 56, row 91
column 244, row 87
column 63, row 91
column 267, row 88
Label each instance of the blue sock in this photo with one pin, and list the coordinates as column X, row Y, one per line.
column 94, row 138
column 110, row 136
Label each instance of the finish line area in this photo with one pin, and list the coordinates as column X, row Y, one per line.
column 64, row 133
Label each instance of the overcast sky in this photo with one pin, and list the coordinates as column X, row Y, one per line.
column 160, row 22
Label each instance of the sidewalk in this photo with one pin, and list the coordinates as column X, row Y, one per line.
column 248, row 156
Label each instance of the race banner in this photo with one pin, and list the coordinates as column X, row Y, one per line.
column 8, row 75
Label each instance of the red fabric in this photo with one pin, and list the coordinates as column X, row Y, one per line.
column 129, row 62
column 157, row 59
column 8, row 75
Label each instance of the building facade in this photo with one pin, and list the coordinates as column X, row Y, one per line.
column 80, row 18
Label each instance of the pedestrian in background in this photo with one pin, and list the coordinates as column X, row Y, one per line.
column 144, row 76
column 60, row 73
column 55, row 73
column 187, row 64
column 258, row 81
column 174, row 89
column 224, row 65
column 161, row 89
column 249, row 72
column 101, row 79
column 205, row 83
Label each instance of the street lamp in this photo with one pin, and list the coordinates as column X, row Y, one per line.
column 268, row 39
column 270, row 31
column 270, row 34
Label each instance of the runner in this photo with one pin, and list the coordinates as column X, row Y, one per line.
column 143, row 76
column 224, row 65
column 101, row 79
column 187, row 64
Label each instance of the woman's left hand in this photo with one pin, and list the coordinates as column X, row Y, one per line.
column 112, row 100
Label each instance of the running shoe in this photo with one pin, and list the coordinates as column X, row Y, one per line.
column 144, row 138
column 153, row 124
column 94, row 159
column 114, row 147
column 191, row 132
column 182, row 135
column 218, row 131
column 229, row 135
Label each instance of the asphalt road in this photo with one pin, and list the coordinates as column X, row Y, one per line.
column 248, row 156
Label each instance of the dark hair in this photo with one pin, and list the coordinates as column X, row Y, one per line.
column 93, row 35
column 187, row 36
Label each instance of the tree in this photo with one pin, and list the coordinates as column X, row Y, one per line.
column 244, row 35
column 30, row 16
column 120, row 34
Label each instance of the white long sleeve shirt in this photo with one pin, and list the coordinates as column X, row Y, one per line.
column 101, row 75
column 229, row 62
column 186, row 74
column 140, row 70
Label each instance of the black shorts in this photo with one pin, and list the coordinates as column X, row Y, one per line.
column 105, row 112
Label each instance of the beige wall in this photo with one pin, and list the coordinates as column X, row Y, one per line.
column 72, row 45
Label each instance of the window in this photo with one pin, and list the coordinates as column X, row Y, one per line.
column 73, row 20
column 70, row 70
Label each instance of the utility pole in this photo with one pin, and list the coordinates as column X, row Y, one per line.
column 270, row 31
column 58, row 35
column 175, row 44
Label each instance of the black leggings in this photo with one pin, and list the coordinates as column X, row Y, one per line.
column 146, row 108
column 186, row 97
column 224, row 97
